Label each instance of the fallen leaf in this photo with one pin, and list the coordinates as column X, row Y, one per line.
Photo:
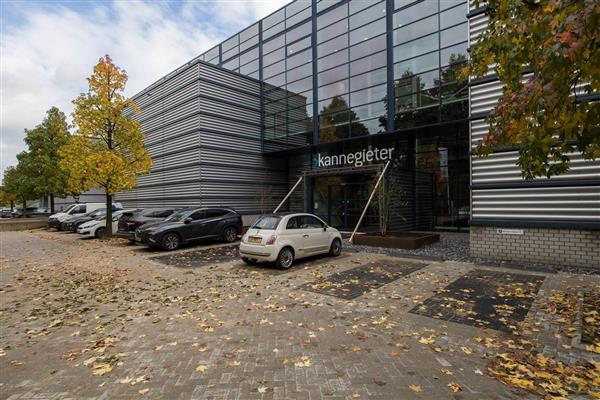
column 201, row 368
column 415, row 388
column 455, row 387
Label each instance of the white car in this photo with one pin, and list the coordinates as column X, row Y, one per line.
column 96, row 227
column 282, row 238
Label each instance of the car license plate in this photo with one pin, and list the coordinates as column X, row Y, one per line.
column 254, row 239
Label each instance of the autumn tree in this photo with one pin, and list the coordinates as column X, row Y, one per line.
column 44, row 142
column 20, row 182
column 547, row 55
column 107, row 151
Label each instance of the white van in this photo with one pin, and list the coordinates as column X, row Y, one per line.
column 73, row 210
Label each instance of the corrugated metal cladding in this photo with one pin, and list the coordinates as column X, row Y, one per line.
column 499, row 193
column 202, row 128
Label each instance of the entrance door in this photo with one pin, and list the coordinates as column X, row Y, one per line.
column 339, row 200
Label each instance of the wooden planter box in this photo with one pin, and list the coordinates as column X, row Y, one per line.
column 403, row 240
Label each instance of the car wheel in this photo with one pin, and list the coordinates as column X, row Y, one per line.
column 230, row 234
column 249, row 261
column 285, row 259
column 171, row 241
column 100, row 233
column 336, row 248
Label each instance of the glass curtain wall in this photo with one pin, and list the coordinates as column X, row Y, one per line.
column 331, row 74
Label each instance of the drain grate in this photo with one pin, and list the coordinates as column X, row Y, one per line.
column 355, row 282
column 200, row 258
column 482, row 298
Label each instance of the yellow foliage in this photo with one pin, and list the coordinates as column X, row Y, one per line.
column 107, row 151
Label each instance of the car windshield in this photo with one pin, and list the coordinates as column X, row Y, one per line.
column 179, row 215
column 267, row 222
column 72, row 206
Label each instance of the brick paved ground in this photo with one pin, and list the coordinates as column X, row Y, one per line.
column 83, row 319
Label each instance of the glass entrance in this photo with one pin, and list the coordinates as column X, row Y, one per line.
column 339, row 200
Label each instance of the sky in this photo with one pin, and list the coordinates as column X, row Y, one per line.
column 48, row 48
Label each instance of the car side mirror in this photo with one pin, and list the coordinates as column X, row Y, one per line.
column 187, row 220
column 325, row 229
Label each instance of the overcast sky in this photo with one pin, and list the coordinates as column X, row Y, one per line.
column 48, row 48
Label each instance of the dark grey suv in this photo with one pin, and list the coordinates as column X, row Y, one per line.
column 130, row 221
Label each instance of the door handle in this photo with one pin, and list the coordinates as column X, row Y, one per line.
column 304, row 235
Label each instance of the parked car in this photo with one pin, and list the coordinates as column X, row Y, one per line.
column 283, row 238
column 191, row 224
column 6, row 212
column 97, row 227
column 73, row 210
column 130, row 221
column 72, row 223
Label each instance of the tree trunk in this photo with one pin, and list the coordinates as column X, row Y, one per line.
column 24, row 208
column 52, row 203
column 108, row 231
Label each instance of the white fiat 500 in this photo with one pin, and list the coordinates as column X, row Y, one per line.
column 282, row 238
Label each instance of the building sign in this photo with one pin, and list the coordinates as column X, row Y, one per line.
column 501, row 231
column 357, row 159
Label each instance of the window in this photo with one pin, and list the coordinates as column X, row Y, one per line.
column 332, row 31
column 333, row 75
column 332, row 60
column 273, row 44
column 416, row 30
column 368, row 15
column 299, row 32
column 370, row 95
column 249, row 56
column 369, row 79
column 453, row 35
column 299, row 73
column 80, row 209
column 273, row 19
column 215, row 213
column 309, row 222
column 332, row 16
column 451, row 55
column 248, row 33
column 411, row 83
column 230, row 43
column 368, row 63
column 274, row 69
column 198, row 215
column 299, row 59
column 269, row 222
column 250, row 67
column 293, row 223
column 453, row 16
column 334, row 89
column 368, row 31
column 332, row 46
column 300, row 86
column 368, row 47
column 416, row 47
column 417, row 64
column 273, row 57
column 301, row 16
column 414, row 13
column 299, row 45
column 163, row 214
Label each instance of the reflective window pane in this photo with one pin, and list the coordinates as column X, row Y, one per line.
column 301, row 16
column 298, row 46
column 299, row 73
column 298, row 32
column 357, row 5
column 332, row 75
column 367, row 31
column 274, row 56
column 325, row 4
column 273, row 19
column 416, row 30
column 369, row 79
column 334, row 89
column 414, row 13
column 333, row 60
column 250, row 67
column 444, row 4
column 249, row 43
column 212, row 53
column 249, row 56
column 248, row 33
column 410, row 83
column 300, row 86
column 230, row 43
column 274, row 69
column 331, row 46
column 368, row 47
column 370, row 95
column 296, row 6
column 454, row 16
column 366, row 127
column 277, row 80
column 299, row 59
column 368, row 63
column 230, row 53
column 416, row 100
column 454, row 54
column 233, row 64
column 368, row 15
column 273, row 31
column 332, row 16
column 417, row 64
column 273, row 44
column 338, row 103
column 332, row 31
column 416, row 47
column 376, row 109
column 454, row 35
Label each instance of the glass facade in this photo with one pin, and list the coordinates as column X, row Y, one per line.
column 336, row 71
